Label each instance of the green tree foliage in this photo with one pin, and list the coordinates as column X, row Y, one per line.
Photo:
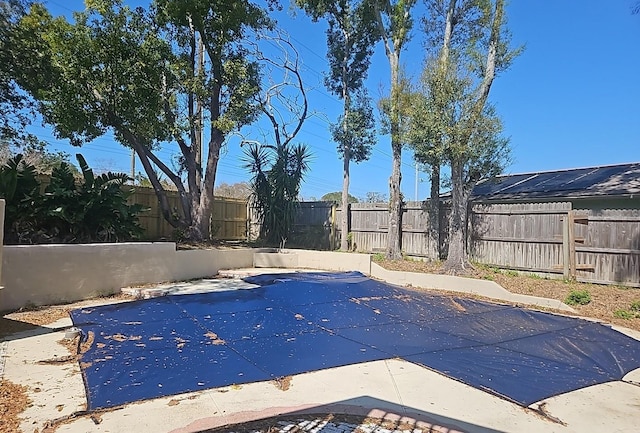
column 36, row 155
column 20, row 189
column 395, row 22
column 469, row 45
column 240, row 190
column 21, row 57
column 351, row 36
column 278, row 172
column 173, row 74
column 375, row 197
column 337, row 197
column 141, row 180
column 95, row 210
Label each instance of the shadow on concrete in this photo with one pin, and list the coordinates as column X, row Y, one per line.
column 11, row 329
column 356, row 411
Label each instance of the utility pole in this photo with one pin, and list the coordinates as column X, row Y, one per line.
column 416, row 186
column 133, row 167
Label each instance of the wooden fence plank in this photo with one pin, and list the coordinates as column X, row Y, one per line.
column 229, row 219
column 520, row 236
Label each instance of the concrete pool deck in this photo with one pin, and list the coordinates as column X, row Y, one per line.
column 392, row 388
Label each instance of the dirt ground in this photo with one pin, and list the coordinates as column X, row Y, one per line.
column 605, row 300
column 13, row 401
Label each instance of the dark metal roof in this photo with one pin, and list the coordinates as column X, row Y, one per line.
column 613, row 180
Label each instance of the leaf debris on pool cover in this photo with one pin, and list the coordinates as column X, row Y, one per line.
column 296, row 323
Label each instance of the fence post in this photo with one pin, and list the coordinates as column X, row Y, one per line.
column 565, row 247
column 572, row 245
column 332, row 238
column 569, row 246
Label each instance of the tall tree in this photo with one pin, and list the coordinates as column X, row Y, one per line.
column 474, row 47
column 351, row 36
column 395, row 22
column 156, row 78
column 42, row 160
column 240, row 190
column 337, row 196
column 427, row 141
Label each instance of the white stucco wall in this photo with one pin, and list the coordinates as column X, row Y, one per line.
column 50, row 274
column 1, row 238
column 309, row 259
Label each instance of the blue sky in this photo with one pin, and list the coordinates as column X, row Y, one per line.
column 572, row 99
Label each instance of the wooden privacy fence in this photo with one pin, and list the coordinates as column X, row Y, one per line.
column 599, row 246
column 369, row 224
column 315, row 226
column 228, row 222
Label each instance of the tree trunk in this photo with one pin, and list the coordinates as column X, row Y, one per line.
column 394, row 246
column 434, row 210
column 201, row 229
column 195, row 172
column 344, row 224
column 394, row 234
column 457, row 260
column 346, row 152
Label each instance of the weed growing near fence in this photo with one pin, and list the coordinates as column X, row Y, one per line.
column 378, row 257
column 632, row 313
column 624, row 314
column 578, row 297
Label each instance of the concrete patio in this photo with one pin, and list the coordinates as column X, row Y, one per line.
column 392, row 389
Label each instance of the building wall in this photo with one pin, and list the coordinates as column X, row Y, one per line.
column 605, row 203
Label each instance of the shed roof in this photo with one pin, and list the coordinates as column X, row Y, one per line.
column 603, row 181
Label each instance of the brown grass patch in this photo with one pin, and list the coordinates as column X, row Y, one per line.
column 71, row 344
column 41, row 316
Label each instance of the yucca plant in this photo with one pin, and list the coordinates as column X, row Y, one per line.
column 278, row 172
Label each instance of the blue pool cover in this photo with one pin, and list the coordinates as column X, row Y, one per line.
column 296, row 323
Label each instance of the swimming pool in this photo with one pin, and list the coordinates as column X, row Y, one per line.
column 302, row 322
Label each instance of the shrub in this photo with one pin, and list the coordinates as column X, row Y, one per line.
column 94, row 211
column 578, row 297
column 624, row 314
column 632, row 313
